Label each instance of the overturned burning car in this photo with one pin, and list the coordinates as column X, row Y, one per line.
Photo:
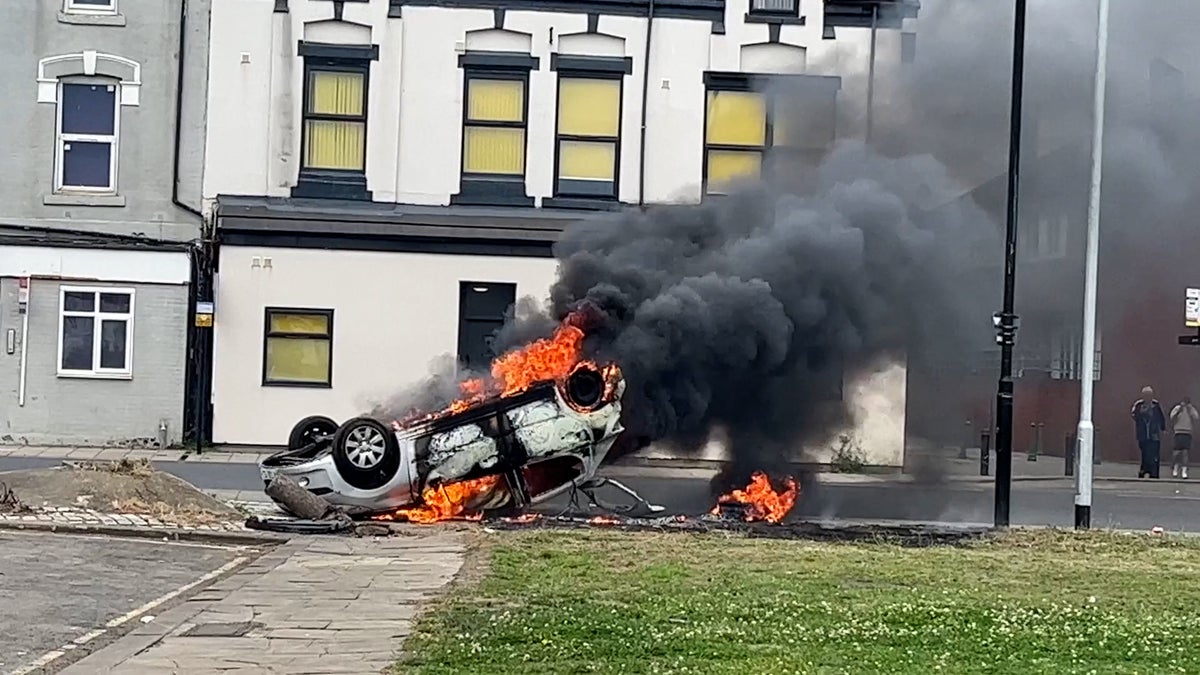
column 541, row 425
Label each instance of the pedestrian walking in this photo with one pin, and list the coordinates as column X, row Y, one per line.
column 1184, row 417
column 1149, row 423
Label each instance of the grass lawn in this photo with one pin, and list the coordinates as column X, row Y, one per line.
column 609, row 602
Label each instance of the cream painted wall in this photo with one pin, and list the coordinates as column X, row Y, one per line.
column 394, row 313
column 414, row 128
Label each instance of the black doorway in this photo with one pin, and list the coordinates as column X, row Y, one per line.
column 481, row 310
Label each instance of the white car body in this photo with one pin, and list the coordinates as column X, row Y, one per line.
column 539, row 441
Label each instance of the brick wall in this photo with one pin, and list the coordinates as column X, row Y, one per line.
column 69, row 411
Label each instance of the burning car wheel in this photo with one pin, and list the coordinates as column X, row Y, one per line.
column 366, row 453
column 310, row 430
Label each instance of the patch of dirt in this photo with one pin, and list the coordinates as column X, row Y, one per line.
column 128, row 487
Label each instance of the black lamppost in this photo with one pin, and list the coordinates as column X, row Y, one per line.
column 1006, row 319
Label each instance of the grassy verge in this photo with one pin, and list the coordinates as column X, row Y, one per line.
column 605, row 602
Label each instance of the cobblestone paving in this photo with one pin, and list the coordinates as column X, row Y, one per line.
column 54, row 515
column 314, row 605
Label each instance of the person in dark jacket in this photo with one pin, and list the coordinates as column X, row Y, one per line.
column 1149, row 422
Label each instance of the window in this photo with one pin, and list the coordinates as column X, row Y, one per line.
column 91, row 6
column 87, row 137
column 780, row 7
column 736, row 137
column 95, row 332
column 495, row 114
column 748, row 131
column 494, row 127
column 333, row 139
column 297, row 348
column 589, row 130
column 335, row 120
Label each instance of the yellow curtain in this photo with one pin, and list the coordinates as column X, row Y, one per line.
column 736, row 118
column 298, row 360
column 333, row 93
column 725, row 166
column 308, row 324
column 494, row 150
column 335, row 145
column 579, row 160
column 495, row 100
column 588, row 107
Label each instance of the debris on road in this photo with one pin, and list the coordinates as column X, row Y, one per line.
column 314, row 515
column 9, row 503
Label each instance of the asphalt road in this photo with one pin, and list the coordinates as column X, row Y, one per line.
column 1133, row 505
column 58, row 587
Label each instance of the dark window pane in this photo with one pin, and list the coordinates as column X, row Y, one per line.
column 114, row 302
column 79, row 301
column 112, row 344
column 89, row 109
column 86, row 164
column 92, row 3
column 77, row 343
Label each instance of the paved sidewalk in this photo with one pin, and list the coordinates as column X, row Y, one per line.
column 313, row 605
column 114, row 454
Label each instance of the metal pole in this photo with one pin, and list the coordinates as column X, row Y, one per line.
column 985, row 451
column 871, row 73
column 1007, row 319
column 1086, row 430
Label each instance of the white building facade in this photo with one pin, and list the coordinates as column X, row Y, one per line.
column 387, row 177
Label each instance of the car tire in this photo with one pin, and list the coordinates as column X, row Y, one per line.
column 306, row 430
column 366, row 453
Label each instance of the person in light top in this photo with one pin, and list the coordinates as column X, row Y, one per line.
column 1184, row 417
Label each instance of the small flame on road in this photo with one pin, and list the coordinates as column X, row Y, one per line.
column 760, row 499
column 603, row 520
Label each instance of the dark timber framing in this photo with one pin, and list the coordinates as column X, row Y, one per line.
column 328, row 337
column 482, row 189
column 595, row 195
column 334, row 183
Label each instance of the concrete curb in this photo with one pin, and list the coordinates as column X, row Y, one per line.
column 135, row 532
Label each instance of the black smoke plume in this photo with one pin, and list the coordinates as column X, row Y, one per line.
column 743, row 313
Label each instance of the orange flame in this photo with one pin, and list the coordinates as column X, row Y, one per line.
column 523, row 518
column 603, row 520
column 546, row 359
column 446, row 502
column 761, row 500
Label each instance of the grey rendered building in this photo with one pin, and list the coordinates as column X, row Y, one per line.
column 100, row 217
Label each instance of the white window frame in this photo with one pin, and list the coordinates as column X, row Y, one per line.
column 62, row 139
column 76, row 7
column 96, row 372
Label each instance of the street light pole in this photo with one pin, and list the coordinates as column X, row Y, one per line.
column 871, row 72
column 1006, row 319
column 1086, row 433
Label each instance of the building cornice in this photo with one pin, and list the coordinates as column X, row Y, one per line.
column 701, row 10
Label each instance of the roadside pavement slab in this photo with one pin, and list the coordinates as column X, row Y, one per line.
column 313, row 605
column 64, row 593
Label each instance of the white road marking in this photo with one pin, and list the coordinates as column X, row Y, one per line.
column 51, row 656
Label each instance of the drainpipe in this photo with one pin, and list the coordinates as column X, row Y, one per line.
column 645, row 104
column 179, row 112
